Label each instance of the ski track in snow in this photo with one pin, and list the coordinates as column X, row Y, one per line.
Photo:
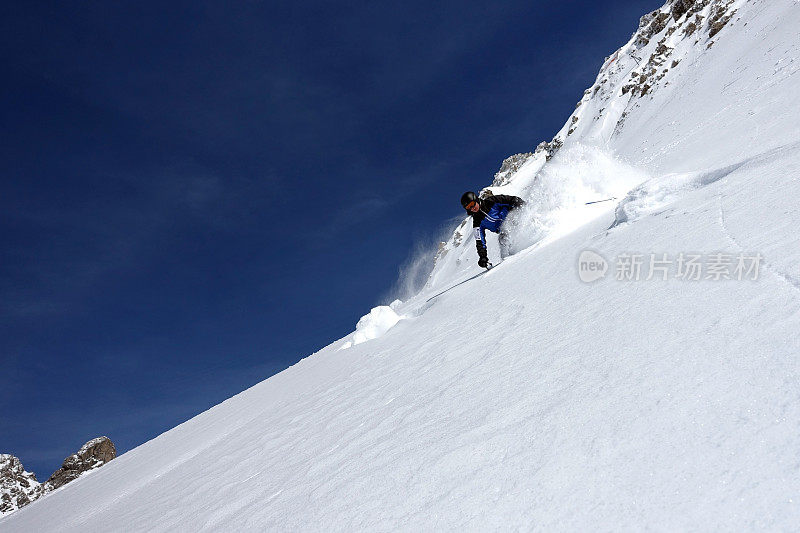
column 793, row 283
column 781, row 276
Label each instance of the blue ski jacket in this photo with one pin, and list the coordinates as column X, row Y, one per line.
column 493, row 211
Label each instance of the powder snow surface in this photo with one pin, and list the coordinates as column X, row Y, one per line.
column 526, row 399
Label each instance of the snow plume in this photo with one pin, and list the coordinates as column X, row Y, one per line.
column 556, row 199
column 556, row 193
column 416, row 270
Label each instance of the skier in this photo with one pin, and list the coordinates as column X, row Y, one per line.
column 489, row 213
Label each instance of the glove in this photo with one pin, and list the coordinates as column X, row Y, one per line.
column 483, row 262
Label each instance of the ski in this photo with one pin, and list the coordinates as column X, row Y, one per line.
column 488, row 268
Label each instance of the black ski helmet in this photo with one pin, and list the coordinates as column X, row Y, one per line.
column 468, row 197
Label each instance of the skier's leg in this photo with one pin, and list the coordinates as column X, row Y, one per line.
column 505, row 245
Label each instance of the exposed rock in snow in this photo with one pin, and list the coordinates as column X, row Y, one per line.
column 550, row 148
column 18, row 487
column 721, row 14
column 656, row 22
column 93, row 454
column 679, row 7
column 673, row 17
column 509, row 167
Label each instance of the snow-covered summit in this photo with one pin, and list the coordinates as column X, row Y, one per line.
column 663, row 395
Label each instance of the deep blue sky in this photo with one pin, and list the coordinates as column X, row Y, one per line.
column 195, row 195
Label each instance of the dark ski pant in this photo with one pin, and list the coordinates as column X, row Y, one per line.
column 505, row 245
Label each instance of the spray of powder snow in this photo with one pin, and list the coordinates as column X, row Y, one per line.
column 556, row 197
column 413, row 274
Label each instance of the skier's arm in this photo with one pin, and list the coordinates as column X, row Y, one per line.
column 513, row 201
column 480, row 244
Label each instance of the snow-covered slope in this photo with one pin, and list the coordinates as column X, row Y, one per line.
column 526, row 398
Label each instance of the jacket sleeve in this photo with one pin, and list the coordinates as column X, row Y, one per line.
column 480, row 238
column 513, row 201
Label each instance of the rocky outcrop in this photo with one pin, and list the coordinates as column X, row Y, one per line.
column 509, row 167
column 679, row 7
column 721, row 14
column 512, row 164
column 689, row 18
column 18, row 487
column 550, row 149
column 650, row 25
column 93, row 454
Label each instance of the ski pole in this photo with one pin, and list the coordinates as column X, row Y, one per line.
column 600, row 201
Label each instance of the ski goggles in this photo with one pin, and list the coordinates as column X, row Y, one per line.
column 470, row 206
